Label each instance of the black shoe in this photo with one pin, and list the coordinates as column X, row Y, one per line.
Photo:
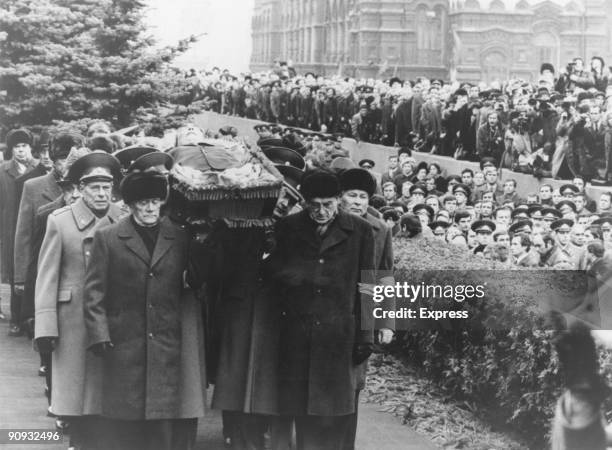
column 42, row 371
column 15, row 331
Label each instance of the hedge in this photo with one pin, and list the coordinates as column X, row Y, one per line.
column 501, row 359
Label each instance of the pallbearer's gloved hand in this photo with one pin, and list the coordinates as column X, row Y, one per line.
column 46, row 344
column 101, row 348
column 361, row 352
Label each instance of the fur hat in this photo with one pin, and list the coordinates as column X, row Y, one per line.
column 138, row 186
column 359, row 179
column 14, row 137
column 62, row 143
column 547, row 66
column 321, row 184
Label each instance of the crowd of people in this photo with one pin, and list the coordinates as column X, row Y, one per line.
column 134, row 310
column 559, row 126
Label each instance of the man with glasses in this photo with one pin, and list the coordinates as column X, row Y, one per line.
column 326, row 331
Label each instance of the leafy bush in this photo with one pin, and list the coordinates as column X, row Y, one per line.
column 502, row 358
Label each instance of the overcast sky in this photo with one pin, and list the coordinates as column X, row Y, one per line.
column 226, row 22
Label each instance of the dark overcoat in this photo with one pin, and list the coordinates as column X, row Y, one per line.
column 9, row 202
column 323, row 316
column 134, row 300
column 246, row 315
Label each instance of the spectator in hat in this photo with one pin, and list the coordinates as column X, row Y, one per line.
column 462, row 194
column 18, row 162
column 325, row 251
column 406, row 174
column 564, row 252
column 484, row 230
column 59, row 322
column 38, row 191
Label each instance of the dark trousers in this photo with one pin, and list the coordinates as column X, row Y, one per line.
column 351, row 427
column 247, row 431
column 15, row 306
column 321, row 432
column 88, row 432
column 168, row 434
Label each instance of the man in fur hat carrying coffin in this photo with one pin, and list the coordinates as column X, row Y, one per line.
column 326, row 330
column 132, row 308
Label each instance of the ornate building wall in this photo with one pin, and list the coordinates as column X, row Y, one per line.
column 469, row 39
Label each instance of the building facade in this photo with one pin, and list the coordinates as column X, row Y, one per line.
column 464, row 39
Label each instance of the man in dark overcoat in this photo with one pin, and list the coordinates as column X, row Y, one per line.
column 18, row 156
column 326, row 330
column 358, row 185
column 132, row 308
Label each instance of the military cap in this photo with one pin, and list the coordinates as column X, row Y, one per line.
column 519, row 211
column 483, row 225
column 535, row 210
column 292, row 176
column 562, row 224
column 568, row 203
column 552, row 211
column 320, row 183
column 95, row 166
column 270, row 142
column 359, row 179
column 522, row 226
column 152, row 161
column 14, row 137
column 138, row 186
column 418, row 187
column 439, row 224
column 604, row 219
column 569, row 187
column 284, row 156
column 392, row 214
column 456, row 178
column 128, row 155
column 462, row 188
column 423, row 207
column 366, row 162
column 342, row 163
column 62, row 144
column 461, row 214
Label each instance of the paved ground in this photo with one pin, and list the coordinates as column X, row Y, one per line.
column 23, row 405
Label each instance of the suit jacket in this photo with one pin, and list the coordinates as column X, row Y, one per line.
column 64, row 255
column 403, row 122
column 133, row 299
column 323, row 315
column 36, row 192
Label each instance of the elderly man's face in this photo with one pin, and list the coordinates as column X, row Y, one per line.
column 284, row 203
column 97, row 194
column 189, row 135
column 147, row 212
column 322, row 210
column 355, row 201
